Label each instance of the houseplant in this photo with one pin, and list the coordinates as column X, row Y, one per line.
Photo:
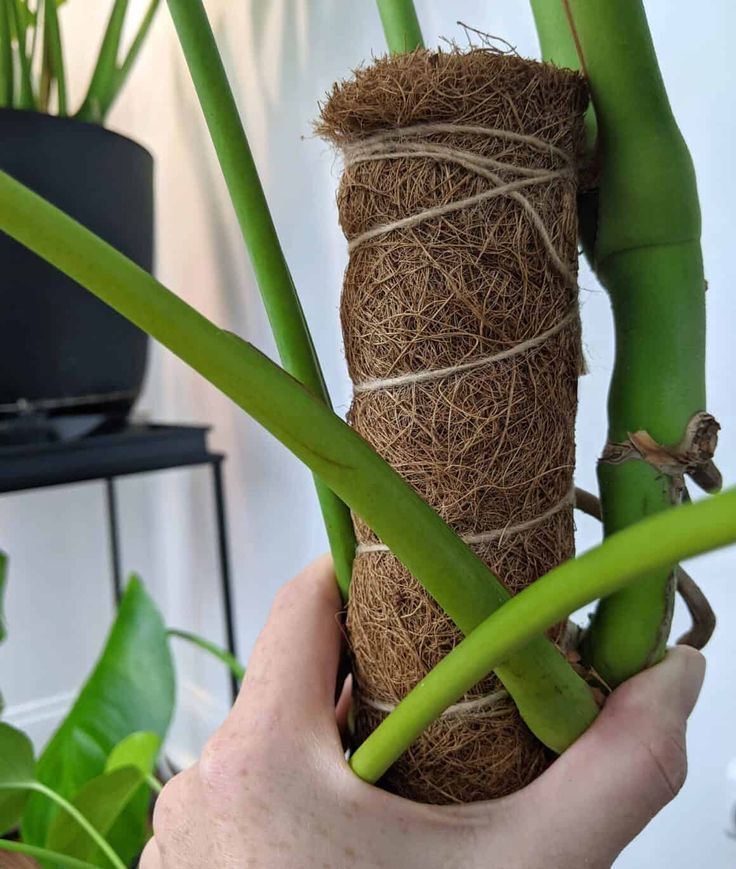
column 357, row 476
column 80, row 357
column 93, row 781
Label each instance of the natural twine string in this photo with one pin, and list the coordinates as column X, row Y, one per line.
column 484, row 706
column 392, row 145
column 440, row 373
column 494, row 534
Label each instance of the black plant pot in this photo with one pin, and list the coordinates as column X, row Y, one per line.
column 62, row 351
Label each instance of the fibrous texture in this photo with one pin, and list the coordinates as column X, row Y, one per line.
column 462, row 337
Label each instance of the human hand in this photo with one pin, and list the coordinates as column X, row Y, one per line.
column 273, row 789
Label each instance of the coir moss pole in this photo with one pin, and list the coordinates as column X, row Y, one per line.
column 461, row 329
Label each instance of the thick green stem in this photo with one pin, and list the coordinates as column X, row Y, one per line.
column 554, row 701
column 622, row 560
column 400, row 25
column 280, row 299
column 647, row 255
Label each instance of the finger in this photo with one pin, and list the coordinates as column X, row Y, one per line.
column 292, row 671
column 607, row 787
column 151, row 857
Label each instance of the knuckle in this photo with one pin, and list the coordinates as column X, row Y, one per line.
column 286, row 596
column 167, row 805
column 228, row 758
column 666, row 758
column 215, row 765
column 149, row 858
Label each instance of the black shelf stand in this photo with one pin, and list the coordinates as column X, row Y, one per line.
column 134, row 449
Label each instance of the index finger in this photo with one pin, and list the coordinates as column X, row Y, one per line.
column 291, row 675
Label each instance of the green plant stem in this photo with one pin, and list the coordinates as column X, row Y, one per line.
column 105, row 69
column 280, row 299
column 154, row 784
column 55, row 54
column 230, row 661
column 400, row 25
column 25, row 94
column 554, row 701
column 6, row 58
column 619, row 562
column 52, row 857
column 74, row 813
column 558, row 47
column 121, row 75
column 647, row 255
column 34, row 31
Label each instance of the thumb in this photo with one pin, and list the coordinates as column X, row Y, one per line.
column 607, row 787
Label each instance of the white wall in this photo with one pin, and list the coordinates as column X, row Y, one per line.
column 282, row 56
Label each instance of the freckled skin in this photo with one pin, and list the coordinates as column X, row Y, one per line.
column 272, row 789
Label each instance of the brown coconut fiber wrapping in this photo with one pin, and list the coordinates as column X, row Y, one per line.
column 489, row 446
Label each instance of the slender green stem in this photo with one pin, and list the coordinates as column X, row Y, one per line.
column 56, row 55
column 154, row 784
column 121, row 74
column 36, row 19
column 617, row 563
column 400, row 25
column 554, row 701
column 53, row 857
column 230, row 661
column 105, row 69
column 74, row 813
column 25, row 94
column 6, row 58
column 280, row 299
column 647, row 254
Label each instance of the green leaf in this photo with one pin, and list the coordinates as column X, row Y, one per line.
column 131, row 689
column 106, row 67
column 19, row 26
column 140, row 750
column 123, row 71
column 56, row 55
column 132, row 828
column 26, row 17
column 16, row 767
column 102, row 801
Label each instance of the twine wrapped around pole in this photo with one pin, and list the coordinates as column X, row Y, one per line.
column 462, row 337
